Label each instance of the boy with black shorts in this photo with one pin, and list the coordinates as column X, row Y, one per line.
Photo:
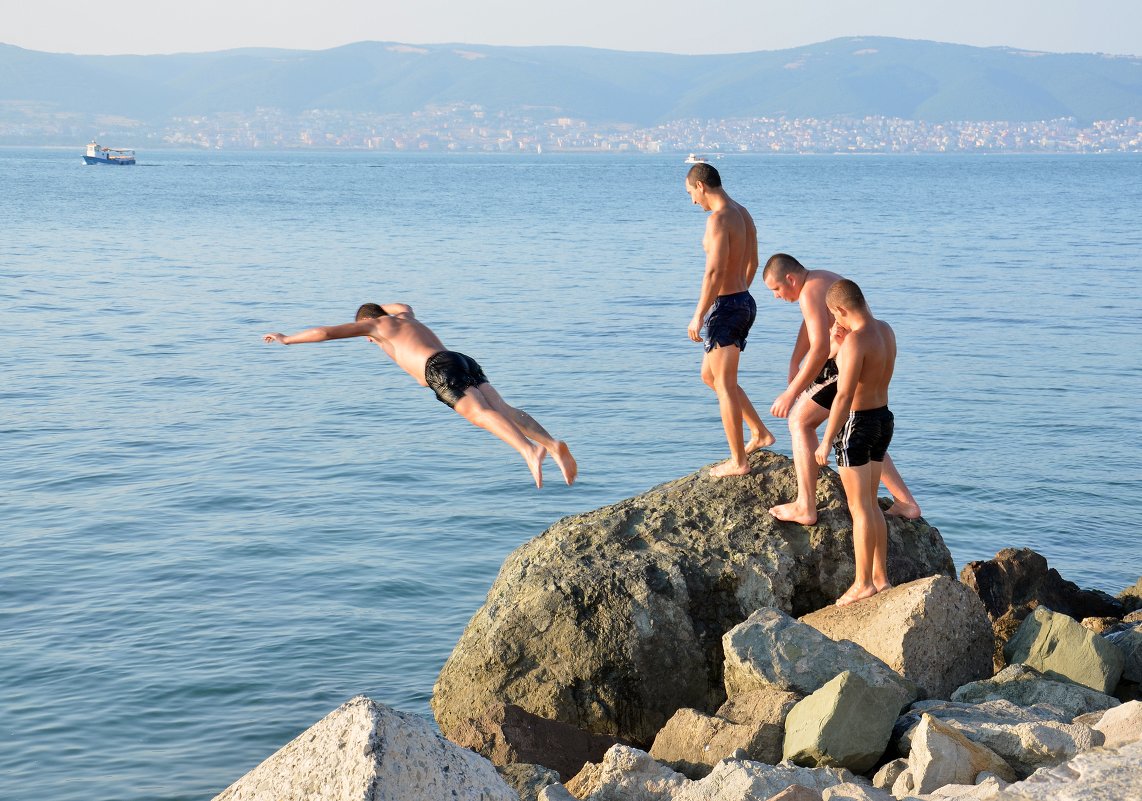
column 458, row 381
column 860, row 429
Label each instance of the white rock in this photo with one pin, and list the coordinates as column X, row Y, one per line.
column 853, row 791
column 941, row 756
column 364, row 749
column 1121, row 725
column 1100, row 775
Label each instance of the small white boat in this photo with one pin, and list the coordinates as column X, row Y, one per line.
column 97, row 154
column 697, row 158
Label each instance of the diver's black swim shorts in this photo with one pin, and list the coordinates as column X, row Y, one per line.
column 449, row 374
column 729, row 320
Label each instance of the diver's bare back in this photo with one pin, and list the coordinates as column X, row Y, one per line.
column 408, row 342
column 741, row 235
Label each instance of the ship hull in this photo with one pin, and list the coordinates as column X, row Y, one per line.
column 116, row 162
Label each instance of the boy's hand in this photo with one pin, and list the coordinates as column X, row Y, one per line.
column 822, row 454
column 274, row 338
column 783, row 405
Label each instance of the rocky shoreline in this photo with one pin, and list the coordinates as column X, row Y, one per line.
column 681, row 646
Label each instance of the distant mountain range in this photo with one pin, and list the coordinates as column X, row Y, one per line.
column 854, row 77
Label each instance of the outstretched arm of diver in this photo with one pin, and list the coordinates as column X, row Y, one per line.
column 361, row 328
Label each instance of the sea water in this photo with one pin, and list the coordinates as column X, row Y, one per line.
column 209, row 543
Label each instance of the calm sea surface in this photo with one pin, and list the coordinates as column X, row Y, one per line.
column 209, row 543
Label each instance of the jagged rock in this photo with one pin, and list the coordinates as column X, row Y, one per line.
column 753, row 724
column 1133, row 617
column 942, row 755
column 747, row 781
column 1025, row 686
column 933, row 631
column 846, row 723
column 902, row 787
column 364, row 749
column 1026, row 738
column 1057, row 646
column 1102, row 775
column 1099, row 624
column 1121, row 726
column 1127, row 638
column 771, row 649
column 556, row 792
column 1017, row 581
column 506, row 734
column 887, row 774
column 612, row 620
column 528, row 780
column 796, row 792
column 854, row 791
column 627, row 774
column 1131, row 597
column 989, row 789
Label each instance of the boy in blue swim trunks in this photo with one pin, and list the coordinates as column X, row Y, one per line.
column 730, row 243
column 860, row 429
column 458, row 381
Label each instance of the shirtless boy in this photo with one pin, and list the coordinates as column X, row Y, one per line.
column 456, row 379
column 812, row 387
column 860, row 428
column 730, row 243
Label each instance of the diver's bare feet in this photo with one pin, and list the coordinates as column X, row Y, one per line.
column 882, row 586
column 857, row 592
column 729, row 468
column 794, row 513
column 909, row 511
column 535, row 464
column 762, row 439
column 567, row 464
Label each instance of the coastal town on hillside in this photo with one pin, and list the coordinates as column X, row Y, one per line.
column 472, row 128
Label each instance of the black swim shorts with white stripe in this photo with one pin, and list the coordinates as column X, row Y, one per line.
column 864, row 437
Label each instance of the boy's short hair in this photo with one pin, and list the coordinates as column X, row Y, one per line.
column 780, row 265
column 706, row 173
column 845, row 293
column 368, row 310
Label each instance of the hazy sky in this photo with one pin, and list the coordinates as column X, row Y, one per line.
column 170, row 26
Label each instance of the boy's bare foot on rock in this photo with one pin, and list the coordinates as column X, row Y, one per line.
column 882, row 587
column 909, row 511
column 760, row 440
column 567, row 464
column 856, row 593
column 729, row 468
column 794, row 513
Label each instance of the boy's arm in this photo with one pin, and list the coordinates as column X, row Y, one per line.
column 850, row 359
column 815, row 345
column 717, row 242
column 361, row 328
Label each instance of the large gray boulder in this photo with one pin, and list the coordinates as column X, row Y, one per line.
column 612, row 620
column 846, row 723
column 933, row 631
column 771, row 649
column 1025, row 686
column 507, row 734
column 693, row 743
column 1059, row 647
column 365, row 750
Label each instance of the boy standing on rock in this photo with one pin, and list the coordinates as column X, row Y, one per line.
column 457, row 380
column 812, row 387
column 730, row 243
column 860, row 429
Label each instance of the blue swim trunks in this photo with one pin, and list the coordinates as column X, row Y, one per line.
column 729, row 321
